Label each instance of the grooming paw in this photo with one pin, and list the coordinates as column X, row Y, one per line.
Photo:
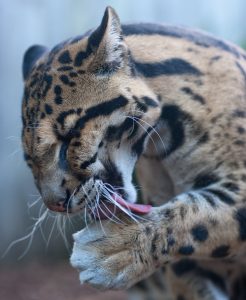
column 117, row 256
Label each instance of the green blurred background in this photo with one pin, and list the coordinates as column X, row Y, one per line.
column 27, row 22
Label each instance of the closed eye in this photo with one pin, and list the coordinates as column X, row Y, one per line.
column 63, row 164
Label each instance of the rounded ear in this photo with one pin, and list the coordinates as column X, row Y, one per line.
column 107, row 43
column 31, row 55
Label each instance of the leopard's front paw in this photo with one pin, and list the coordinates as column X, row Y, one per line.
column 113, row 258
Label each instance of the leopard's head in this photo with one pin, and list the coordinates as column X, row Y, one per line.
column 86, row 117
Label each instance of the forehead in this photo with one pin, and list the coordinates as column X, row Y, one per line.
column 60, row 79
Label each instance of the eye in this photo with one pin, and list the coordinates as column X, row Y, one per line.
column 63, row 156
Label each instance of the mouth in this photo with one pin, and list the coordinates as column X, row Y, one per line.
column 108, row 210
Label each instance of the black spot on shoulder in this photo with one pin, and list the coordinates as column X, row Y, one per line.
column 242, row 70
column 239, row 143
column 193, row 95
column 153, row 245
column 240, row 130
column 240, row 216
column 204, row 180
column 175, row 119
column 222, row 196
column 220, row 251
column 239, row 113
column 215, row 58
column 48, row 109
column 169, row 67
column 231, row 186
column 183, row 266
column 199, row 233
column 183, row 211
column 243, row 177
column 209, row 198
column 204, row 138
column 186, row 250
column 65, row 57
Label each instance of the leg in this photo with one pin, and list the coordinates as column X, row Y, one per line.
column 153, row 288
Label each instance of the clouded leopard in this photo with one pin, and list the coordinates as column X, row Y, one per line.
column 169, row 102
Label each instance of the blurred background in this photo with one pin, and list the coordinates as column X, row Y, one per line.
column 27, row 22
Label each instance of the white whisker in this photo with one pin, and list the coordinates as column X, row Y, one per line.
column 28, row 236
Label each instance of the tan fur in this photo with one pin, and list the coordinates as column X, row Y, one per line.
column 206, row 88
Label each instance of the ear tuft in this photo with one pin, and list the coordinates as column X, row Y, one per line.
column 107, row 43
column 31, row 55
column 110, row 19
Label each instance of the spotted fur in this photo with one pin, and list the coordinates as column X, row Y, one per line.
column 187, row 90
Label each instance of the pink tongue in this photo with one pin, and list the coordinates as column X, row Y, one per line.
column 136, row 208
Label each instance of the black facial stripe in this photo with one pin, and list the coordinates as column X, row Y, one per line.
column 114, row 133
column 102, row 109
column 63, row 156
column 198, row 38
column 86, row 163
column 169, row 67
column 138, row 146
column 148, row 101
column 62, row 116
column 140, row 106
column 113, row 176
